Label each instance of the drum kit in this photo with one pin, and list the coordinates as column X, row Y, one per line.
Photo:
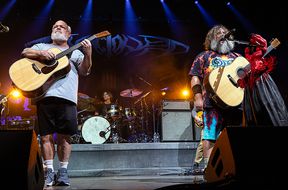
column 119, row 125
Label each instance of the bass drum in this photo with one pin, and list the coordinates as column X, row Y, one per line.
column 96, row 130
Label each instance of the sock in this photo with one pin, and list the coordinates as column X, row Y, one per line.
column 206, row 162
column 49, row 164
column 63, row 165
column 196, row 163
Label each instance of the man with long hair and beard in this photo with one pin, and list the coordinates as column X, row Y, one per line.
column 218, row 53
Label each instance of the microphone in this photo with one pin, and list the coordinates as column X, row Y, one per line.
column 227, row 36
column 3, row 28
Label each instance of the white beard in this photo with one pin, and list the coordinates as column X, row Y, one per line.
column 226, row 47
column 58, row 36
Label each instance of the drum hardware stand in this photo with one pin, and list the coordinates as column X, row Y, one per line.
column 103, row 133
column 142, row 114
column 146, row 126
column 144, row 118
column 75, row 139
column 156, row 136
column 113, row 134
column 155, row 132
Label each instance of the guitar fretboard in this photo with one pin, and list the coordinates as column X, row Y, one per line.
column 76, row 46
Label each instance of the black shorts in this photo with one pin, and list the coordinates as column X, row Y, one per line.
column 56, row 115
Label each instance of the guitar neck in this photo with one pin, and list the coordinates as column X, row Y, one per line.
column 69, row 50
column 270, row 48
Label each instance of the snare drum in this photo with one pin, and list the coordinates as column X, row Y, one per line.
column 96, row 130
column 114, row 111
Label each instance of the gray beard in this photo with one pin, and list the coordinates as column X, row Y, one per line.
column 58, row 37
column 224, row 48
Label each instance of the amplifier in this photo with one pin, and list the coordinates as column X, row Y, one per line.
column 176, row 105
column 22, row 124
column 177, row 126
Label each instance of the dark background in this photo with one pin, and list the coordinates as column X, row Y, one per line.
column 160, row 68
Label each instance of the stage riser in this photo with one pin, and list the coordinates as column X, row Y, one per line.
column 130, row 158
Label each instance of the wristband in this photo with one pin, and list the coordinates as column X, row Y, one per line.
column 197, row 89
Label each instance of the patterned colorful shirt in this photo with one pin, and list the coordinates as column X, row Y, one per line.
column 204, row 63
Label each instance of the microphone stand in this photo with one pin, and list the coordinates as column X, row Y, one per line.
column 243, row 42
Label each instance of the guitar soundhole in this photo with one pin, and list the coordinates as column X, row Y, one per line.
column 241, row 73
column 48, row 69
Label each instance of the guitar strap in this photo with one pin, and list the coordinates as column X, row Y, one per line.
column 74, row 63
column 236, row 54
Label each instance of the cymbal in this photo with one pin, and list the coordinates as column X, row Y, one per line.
column 85, row 102
column 86, row 107
column 82, row 95
column 85, row 97
column 132, row 92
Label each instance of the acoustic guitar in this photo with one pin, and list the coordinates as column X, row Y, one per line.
column 222, row 82
column 34, row 78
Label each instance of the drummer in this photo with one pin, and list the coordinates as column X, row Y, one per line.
column 107, row 107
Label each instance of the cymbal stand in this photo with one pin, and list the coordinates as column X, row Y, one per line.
column 142, row 114
column 155, row 133
column 147, row 113
column 142, row 137
column 156, row 136
column 115, row 133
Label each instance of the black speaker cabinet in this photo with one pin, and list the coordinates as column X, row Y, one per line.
column 177, row 126
column 250, row 156
column 21, row 163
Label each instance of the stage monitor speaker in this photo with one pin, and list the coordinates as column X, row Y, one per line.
column 21, row 162
column 177, row 126
column 249, row 156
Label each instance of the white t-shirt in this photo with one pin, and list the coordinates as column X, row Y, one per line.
column 66, row 87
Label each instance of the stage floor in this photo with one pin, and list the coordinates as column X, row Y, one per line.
column 131, row 166
column 129, row 182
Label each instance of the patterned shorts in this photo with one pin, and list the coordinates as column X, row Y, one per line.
column 213, row 124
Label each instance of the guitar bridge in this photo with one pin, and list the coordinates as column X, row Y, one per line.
column 232, row 81
column 36, row 69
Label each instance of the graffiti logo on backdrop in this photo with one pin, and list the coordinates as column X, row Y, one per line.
column 137, row 46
